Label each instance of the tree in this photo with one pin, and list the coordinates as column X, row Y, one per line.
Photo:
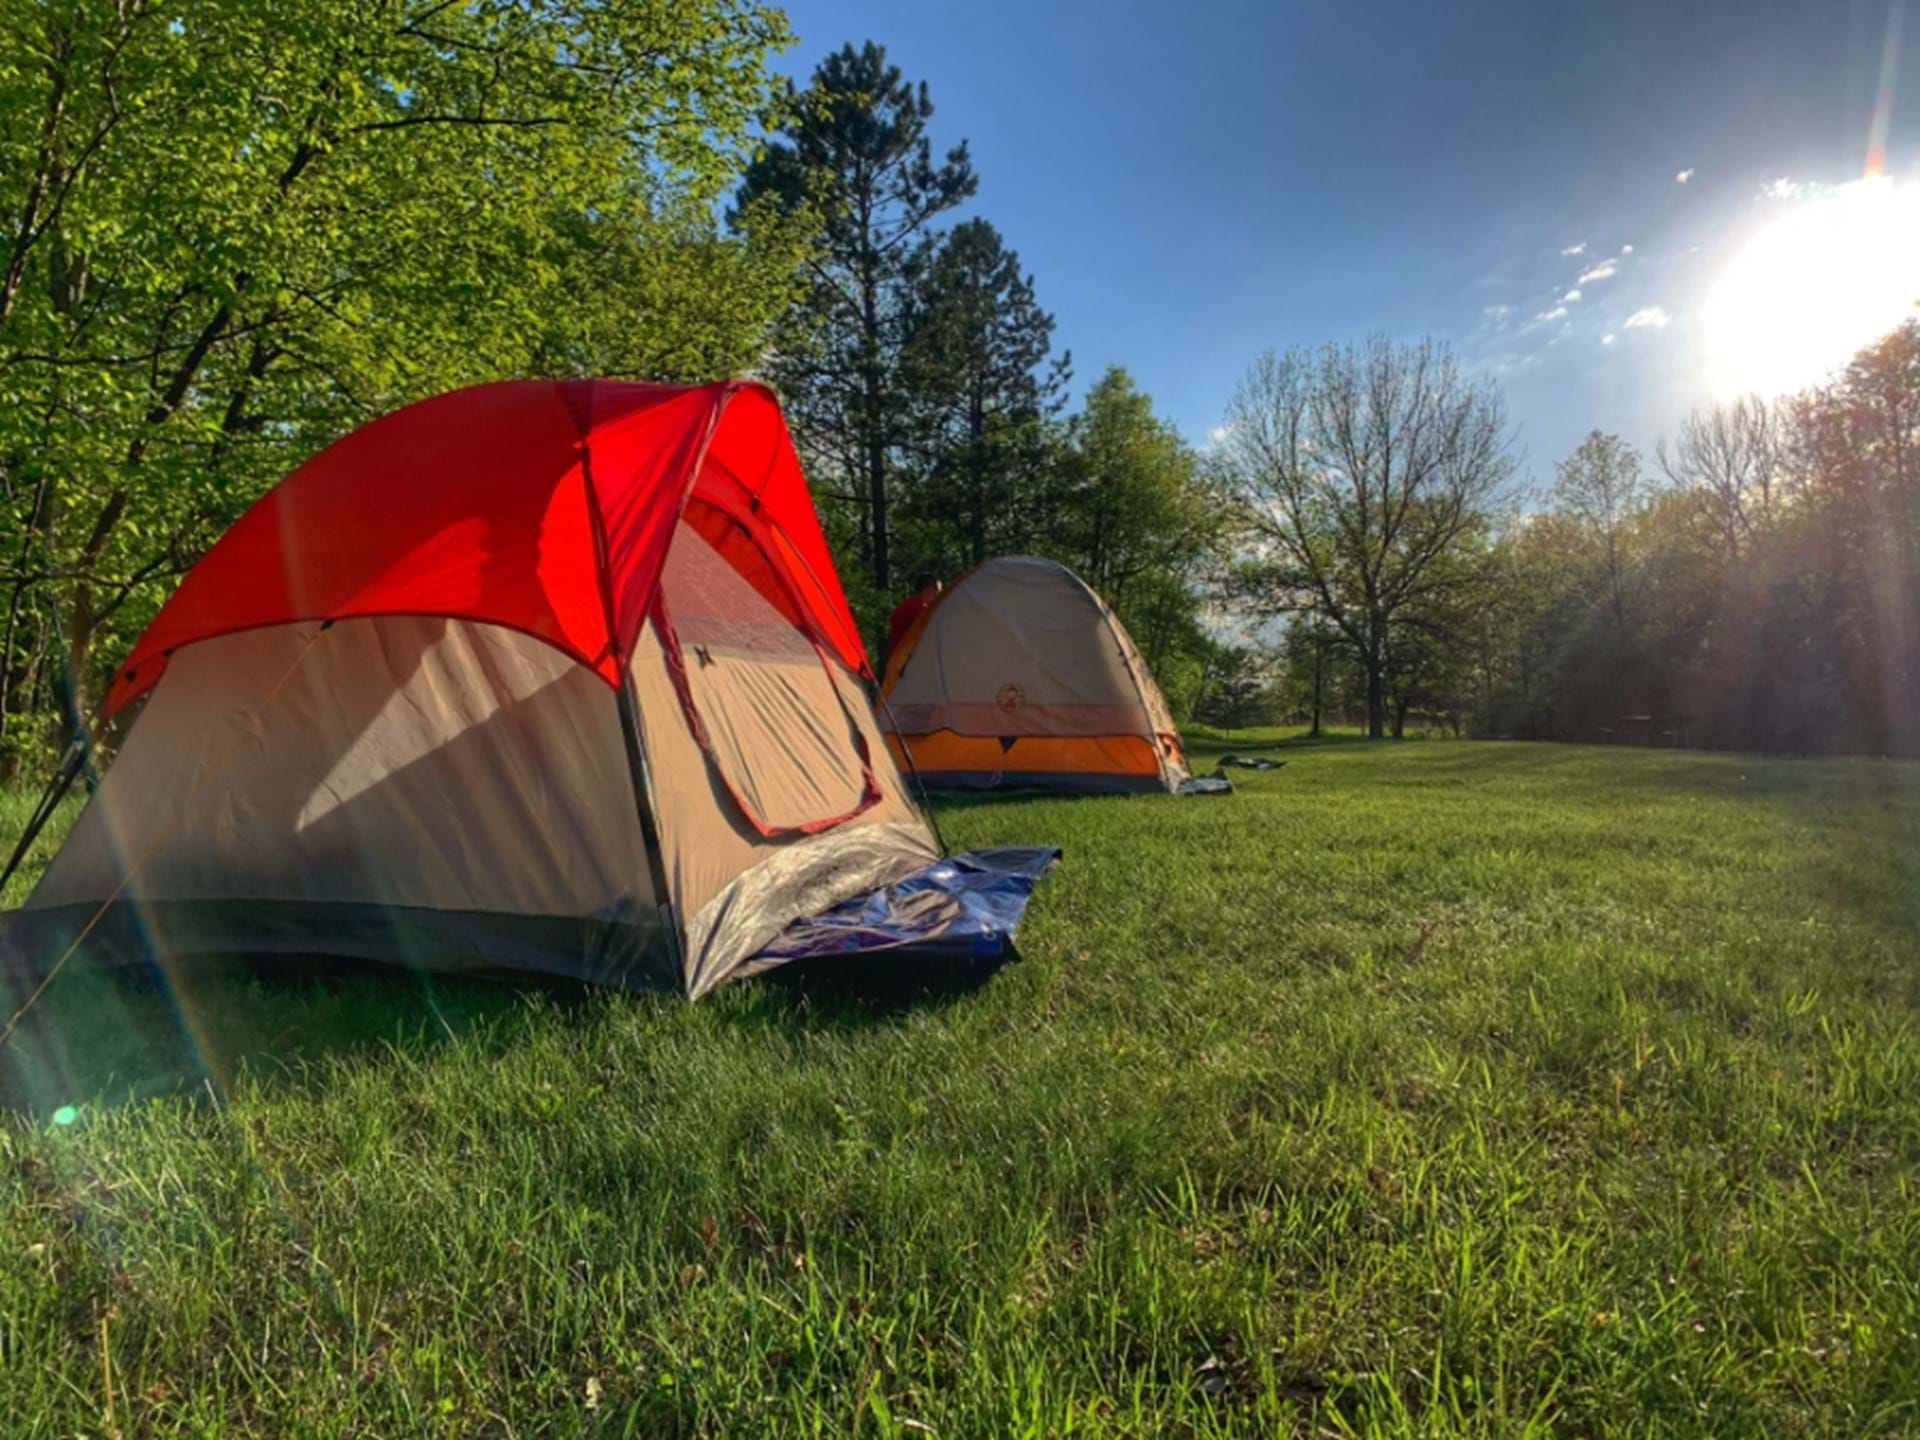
column 1600, row 485
column 1768, row 599
column 1135, row 516
column 1360, row 472
column 1135, row 509
column 1239, row 693
column 1312, row 655
column 978, row 365
column 234, row 230
column 1737, row 456
column 855, row 151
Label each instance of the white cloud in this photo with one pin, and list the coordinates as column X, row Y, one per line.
column 1784, row 189
column 1579, row 249
column 1497, row 312
column 1571, row 295
column 1217, row 434
column 1559, row 312
column 1626, row 249
column 1684, row 176
column 1606, row 339
column 1651, row 318
column 1605, row 270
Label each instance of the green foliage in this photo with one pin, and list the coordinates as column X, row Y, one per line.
column 1136, row 517
column 1435, row 1090
column 235, row 230
column 1241, row 690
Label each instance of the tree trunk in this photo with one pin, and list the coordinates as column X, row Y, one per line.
column 976, row 435
column 875, row 439
column 85, row 608
column 1376, row 695
column 877, row 504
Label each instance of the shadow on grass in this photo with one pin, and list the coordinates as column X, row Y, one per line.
column 1659, row 772
column 123, row 1036
column 862, row 991
column 1199, row 738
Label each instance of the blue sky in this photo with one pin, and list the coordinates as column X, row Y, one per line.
column 1192, row 183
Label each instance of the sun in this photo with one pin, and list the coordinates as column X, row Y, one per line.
column 1837, row 271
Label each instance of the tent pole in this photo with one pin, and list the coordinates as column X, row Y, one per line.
column 71, row 764
column 649, row 825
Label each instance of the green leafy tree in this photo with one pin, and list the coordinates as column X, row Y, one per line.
column 1601, row 486
column 1135, row 515
column 232, row 230
column 1312, row 656
column 1240, row 691
column 1136, row 512
column 854, row 151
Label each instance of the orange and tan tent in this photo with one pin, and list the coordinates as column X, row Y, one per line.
column 1019, row 676
column 551, row 676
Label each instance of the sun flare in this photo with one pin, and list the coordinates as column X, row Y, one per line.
column 1838, row 270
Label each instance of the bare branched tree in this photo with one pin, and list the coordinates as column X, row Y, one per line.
column 1362, row 475
column 1736, row 456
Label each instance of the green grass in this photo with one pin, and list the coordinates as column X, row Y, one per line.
column 1420, row 1089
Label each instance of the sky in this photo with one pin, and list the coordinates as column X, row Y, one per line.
column 1617, row 211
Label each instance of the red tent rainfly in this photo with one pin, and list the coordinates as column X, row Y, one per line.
column 545, row 506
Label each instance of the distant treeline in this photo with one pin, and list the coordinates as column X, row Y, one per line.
column 1757, row 587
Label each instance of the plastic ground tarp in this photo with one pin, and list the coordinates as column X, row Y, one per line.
column 966, row 905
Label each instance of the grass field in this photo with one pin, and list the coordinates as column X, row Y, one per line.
column 1418, row 1089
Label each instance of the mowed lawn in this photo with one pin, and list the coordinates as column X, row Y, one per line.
column 1417, row 1089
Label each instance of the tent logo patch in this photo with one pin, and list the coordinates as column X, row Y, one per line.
column 1010, row 698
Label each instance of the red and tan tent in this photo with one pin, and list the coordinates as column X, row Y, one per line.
column 538, row 675
column 1018, row 676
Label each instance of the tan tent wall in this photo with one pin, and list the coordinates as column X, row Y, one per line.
column 401, row 761
column 459, row 796
column 1021, row 675
column 784, row 724
column 411, row 787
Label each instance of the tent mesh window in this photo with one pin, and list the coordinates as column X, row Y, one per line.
column 772, row 717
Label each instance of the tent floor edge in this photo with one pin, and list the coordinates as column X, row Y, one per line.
column 624, row 951
column 1061, row 782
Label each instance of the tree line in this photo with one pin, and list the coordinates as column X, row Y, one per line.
column 1755, row 587
column 230, row 232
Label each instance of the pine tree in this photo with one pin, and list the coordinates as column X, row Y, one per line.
column 855, row 149
column 978, row 362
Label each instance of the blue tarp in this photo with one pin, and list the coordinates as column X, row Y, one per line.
column 965, row 905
